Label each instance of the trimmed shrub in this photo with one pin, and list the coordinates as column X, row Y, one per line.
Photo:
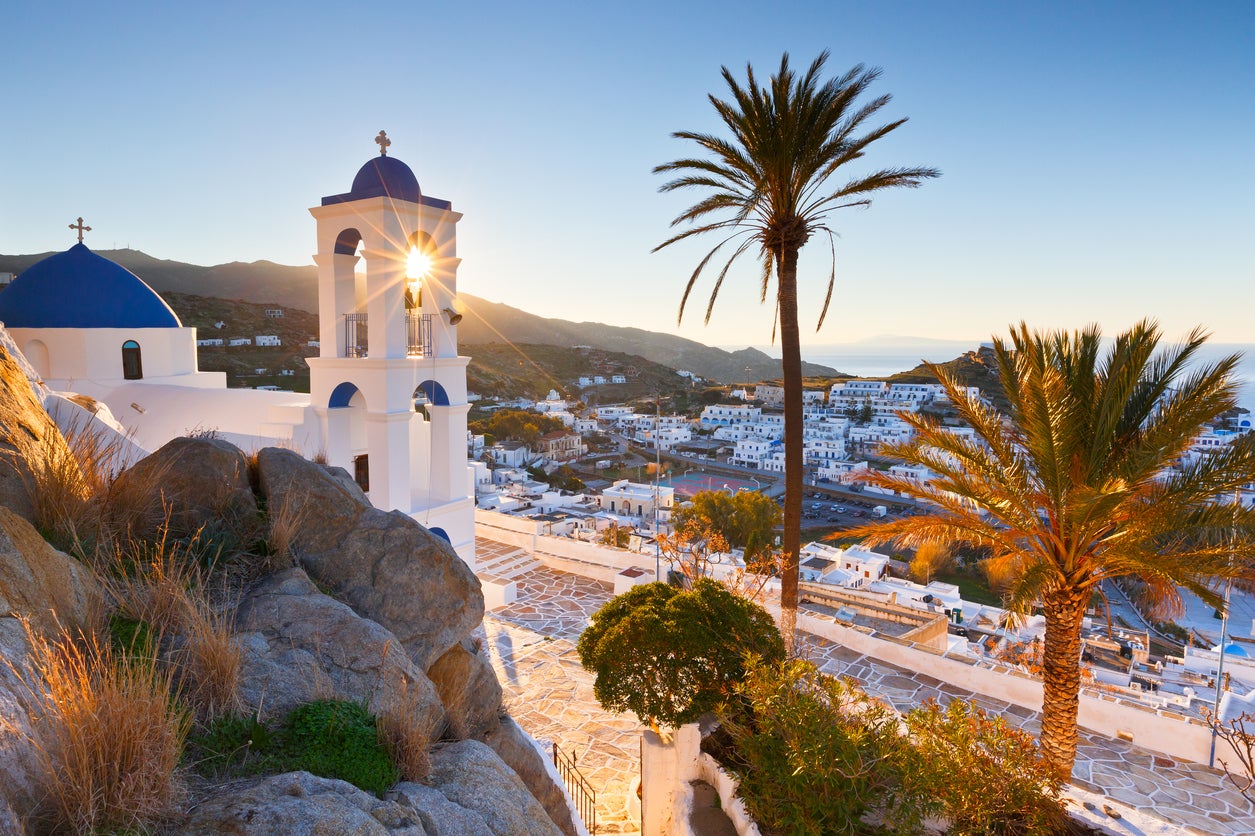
column 671, row 655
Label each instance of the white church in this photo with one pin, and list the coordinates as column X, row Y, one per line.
column 387, row 395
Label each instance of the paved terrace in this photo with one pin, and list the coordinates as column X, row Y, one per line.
column 532, row 646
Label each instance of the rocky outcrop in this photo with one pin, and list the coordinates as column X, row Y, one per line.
column 300, row 645
column 469, row 689
column 518, row 750
column 53, row 591
column 472, row 775
column 49, row 587
column 198, row 482
column 385, row 566
column 18, row 762
column 25, row 429
column 439, row 815
column 299, row 804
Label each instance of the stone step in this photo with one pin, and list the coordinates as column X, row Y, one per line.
column 507, row 566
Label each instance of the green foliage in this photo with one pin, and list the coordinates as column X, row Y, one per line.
column 815, row 754
column 517, row 425
column 795, row 734
column 615, row 535
column 671, row 655
column 329, row 738
column 232, row 744
column 746, row 519
column 1173, row 631
column 131, row 637
column 338, row 739
column 959, row 755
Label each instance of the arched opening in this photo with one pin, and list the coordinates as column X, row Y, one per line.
column 440, row 532
column 132, row 364
column 37, row 355
column 348, row 241
column 430, row 393
column 346, row 429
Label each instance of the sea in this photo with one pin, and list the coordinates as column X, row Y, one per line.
column 885, row 356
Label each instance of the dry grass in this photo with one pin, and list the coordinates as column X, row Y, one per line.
column 106, row 734
column 162, row 585
column 209, row 662
column 284, row 523
column 406, row 741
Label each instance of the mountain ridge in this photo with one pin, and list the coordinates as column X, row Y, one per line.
column 484, row 321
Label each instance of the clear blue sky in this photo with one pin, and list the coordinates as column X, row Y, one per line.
column 1098, row 158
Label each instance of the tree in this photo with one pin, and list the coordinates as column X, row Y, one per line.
column 769, row 194
column 671, row 655
column 1077, row 484
column 616, row 535
column 747, row 520
column 930, row 559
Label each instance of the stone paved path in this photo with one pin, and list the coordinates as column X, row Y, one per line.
column 532, row 647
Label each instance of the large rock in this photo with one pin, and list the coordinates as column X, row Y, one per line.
column 25, row 431
column 299, row 804
column 471, row 775
column 199, row 482
column 385, row 566
column 439, row 815
column 49, row 587
column 518, row 750
column 300, row 645
column 19, row 764
column 469, row 689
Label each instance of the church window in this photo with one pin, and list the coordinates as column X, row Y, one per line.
column 361, row 472
column 132, row 367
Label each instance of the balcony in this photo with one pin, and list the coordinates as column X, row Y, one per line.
column 417, row 335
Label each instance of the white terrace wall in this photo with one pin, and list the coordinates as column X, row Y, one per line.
column 1159, row 731
column 562, row 554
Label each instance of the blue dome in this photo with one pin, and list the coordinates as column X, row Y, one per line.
column 386, row 177
column 79, row 289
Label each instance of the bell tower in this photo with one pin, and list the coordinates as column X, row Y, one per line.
column 388, row 385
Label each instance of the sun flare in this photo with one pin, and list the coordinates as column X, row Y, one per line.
column 418, row 264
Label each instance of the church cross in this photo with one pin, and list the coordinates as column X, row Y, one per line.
column 81, row 229
column 383, row 142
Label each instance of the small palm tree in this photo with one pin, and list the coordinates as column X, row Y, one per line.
column 768, row 195
column 1085, row 478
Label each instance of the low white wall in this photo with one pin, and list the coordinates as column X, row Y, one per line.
column 1164, row 732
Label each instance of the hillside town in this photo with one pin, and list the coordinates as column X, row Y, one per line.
column 617, row 450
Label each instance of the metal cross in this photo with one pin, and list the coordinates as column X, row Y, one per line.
column 383, row 142
column 81, row 229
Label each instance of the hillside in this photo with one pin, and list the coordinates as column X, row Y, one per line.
column 974, row 368
column 485, row 322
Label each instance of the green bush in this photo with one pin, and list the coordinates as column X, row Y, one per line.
column 131, row 637
column 329, row 738
column 984, row 776
column 816, row 755
column 337, row 739
column 671, row 655
column 233, row 745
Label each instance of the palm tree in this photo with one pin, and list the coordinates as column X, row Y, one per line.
column 768, row 194
column 1084, row 479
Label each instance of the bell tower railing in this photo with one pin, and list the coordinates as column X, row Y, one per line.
column 418, row 331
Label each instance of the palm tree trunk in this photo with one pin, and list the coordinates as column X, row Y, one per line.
column 791, row 366
column 1061, row 681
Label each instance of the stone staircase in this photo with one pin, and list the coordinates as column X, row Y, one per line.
column 497, row 570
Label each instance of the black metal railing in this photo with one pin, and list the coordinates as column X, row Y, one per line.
column 417, row 335
column 582, row 793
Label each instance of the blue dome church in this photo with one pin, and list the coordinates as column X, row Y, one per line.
column 79, row 317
